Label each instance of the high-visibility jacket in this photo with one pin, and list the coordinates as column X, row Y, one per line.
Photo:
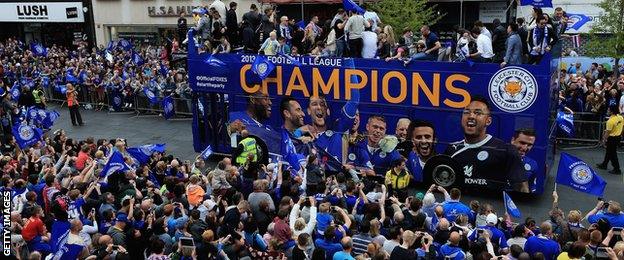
column 249, row 146
column 38, row 94
column 399, row 180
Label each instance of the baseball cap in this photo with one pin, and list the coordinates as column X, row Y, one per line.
column 491, row 219
column 420, row 196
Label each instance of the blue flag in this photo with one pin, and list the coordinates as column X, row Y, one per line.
column 300, row 24
column 137, row 59
column 153, row 99
column 125, row 44
column 15, row 91
column 289, row 153
column 82, row 76
column 349, row 5
column 38, row 49
column 163, row 69
column 111, row 46
column 69, row 76
column 262, row 67
column 45, row 82
column 206, row 152
column 537, row 3
column 510, row 206
column 565, row 123
column 576, row 174
column 576, row 21
column 115, row 164
column 116, row 100
column 167, row 105
column 26, row 135
column 143, row 153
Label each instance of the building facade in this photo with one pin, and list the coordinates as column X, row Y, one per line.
column 61, row 22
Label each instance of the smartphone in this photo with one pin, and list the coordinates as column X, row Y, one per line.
column 115, row 247
column 601, row 253
column 425, row 241
column 187, row 241
column 617, row 230
column 93, row 211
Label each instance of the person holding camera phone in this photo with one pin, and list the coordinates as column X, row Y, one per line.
column 611, row 211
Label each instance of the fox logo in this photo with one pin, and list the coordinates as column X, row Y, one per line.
column 468, row 170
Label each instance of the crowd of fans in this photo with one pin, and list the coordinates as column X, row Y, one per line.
column 97, row 74
column 364, row 35
column 174, row 209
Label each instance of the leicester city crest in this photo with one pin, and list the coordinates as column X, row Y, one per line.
column 513, row 89
column 582, row 174
column 117, row 100
column 26, row 132
column 169, row 107
column 262, row 68
column 149, row 94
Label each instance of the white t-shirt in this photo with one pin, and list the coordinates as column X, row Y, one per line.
column 486, row 32
column 370, row 15
column 484, row 46
column 621, row 103
column 220, row 7
column 369, row 47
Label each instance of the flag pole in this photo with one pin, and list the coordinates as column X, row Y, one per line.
column 505, row 203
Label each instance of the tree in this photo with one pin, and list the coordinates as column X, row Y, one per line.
column 607, row 33
column 406, row 13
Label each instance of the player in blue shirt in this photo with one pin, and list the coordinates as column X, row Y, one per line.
column 422, row 135
column 613, row 214
column 523, row 140
column 543, row 243
column 376, row 131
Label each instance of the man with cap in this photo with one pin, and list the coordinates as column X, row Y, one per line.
column 496, row 236
column 117, row 231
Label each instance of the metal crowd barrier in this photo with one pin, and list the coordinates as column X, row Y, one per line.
column 588, row 128
column 92, row 99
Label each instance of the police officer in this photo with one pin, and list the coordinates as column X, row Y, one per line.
column 39, row 97
column 245, row 147
column 611, row 138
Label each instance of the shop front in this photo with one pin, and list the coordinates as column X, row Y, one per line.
column 64, row 23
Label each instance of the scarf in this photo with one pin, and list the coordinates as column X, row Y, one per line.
column 540, row 38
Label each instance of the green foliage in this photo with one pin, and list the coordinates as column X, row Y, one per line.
column 407, row 13
column 607, row 34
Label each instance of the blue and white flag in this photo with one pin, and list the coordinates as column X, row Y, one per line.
column 349, row 5
column 82, row 76
column 262, row 67
column 116, row 100
column 15, row 91
column 565, row 123
column 26, row 135
column 116, row 163
column 111, row 46
column 153, row 99
column 206, row 152
column 125, row 44
column 537, row 3
column 163, row 69
column 576, row 174
column 576, row 21
column 38, row 49
column 143, row 153
column 510, row 206
column 168, row 109
column 109, row 57
column 137, row 59
column 45, row 81
column 69, row 76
